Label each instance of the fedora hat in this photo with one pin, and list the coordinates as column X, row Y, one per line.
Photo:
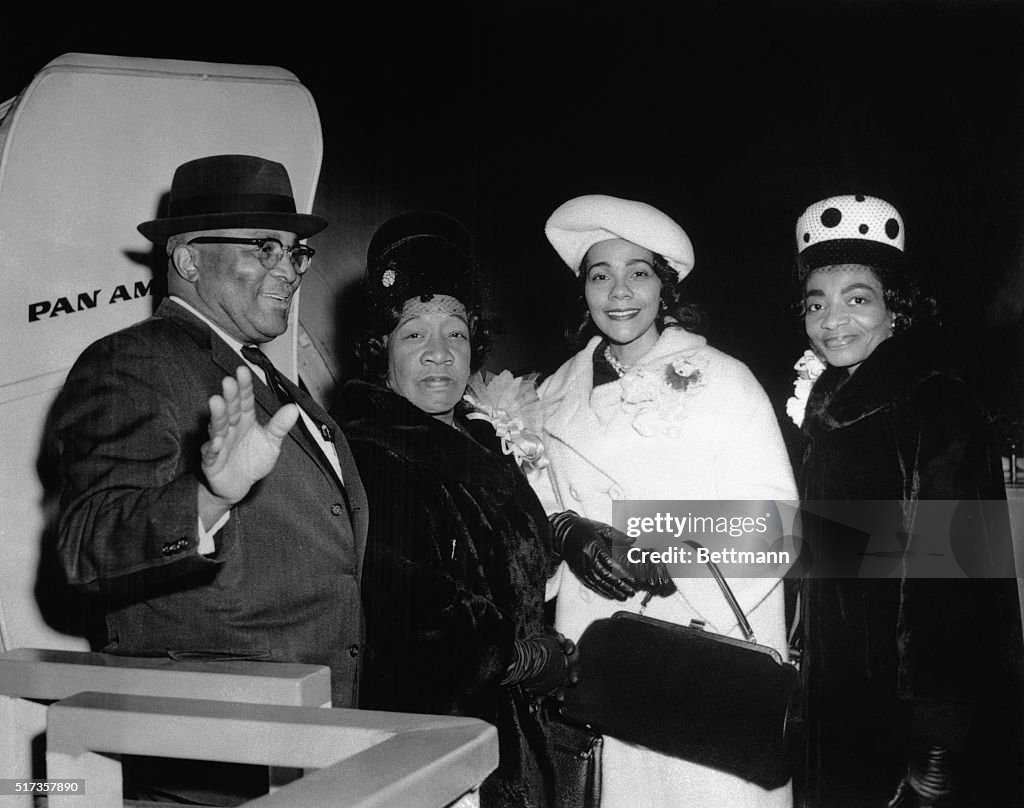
column 230, row 190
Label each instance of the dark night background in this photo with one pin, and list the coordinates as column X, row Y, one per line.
column 731, row 117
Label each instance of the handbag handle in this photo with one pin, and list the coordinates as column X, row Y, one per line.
column 748, row 632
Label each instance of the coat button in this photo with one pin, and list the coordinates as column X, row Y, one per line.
column 575, row 494
column 336, row 509
column 353, row 651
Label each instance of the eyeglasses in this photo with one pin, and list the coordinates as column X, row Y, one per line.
column 269, row 251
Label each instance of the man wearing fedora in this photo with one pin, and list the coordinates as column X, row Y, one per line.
column 211, row 503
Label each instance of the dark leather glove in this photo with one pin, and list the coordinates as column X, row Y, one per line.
column 586, row 547
column 651, row 576
column 928, row 781
column 542, row 664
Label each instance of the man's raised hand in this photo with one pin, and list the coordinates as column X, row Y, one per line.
column 240, row 451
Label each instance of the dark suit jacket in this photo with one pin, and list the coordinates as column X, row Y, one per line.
column 284, row 582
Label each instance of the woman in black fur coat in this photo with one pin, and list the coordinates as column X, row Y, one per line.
column 912, row 679
column 459, row 547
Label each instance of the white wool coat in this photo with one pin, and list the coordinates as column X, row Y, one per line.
column 718, row 439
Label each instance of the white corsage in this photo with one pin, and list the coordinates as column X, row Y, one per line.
column 658, row 398
column 511, row 405
column 808, row 368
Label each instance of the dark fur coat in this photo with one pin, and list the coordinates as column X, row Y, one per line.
column 456, row 562
column 898, row 662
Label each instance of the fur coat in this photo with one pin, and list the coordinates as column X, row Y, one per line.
column 895, row 662
column 456, row 561
column 713, row 437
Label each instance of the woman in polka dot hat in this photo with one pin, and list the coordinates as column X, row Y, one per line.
column 907, row 678
column 648, row 410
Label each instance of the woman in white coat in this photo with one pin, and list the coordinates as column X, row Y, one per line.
column 649, row 411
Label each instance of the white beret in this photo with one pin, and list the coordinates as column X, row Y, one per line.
column 582, row 222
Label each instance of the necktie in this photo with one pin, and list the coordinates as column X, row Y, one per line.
column 286, row 391
column 290, row 393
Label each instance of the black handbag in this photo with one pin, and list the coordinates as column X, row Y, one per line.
column 576, row 755
column 719, row 701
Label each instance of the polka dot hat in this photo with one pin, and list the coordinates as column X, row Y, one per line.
column 851, row 229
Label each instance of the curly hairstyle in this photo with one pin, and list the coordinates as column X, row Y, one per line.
column 901, row 292
column 673, row 311
column 371, row 349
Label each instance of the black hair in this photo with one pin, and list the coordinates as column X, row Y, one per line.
column 673, row 311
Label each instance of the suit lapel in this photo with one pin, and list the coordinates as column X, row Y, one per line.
column 310, row 442
column 357, row 503
column 352, row 486
column 225, row 358
column 299, row 433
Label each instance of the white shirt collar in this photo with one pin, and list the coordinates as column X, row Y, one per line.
column 325, row 440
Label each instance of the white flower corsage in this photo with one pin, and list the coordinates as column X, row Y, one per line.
column 511, row 405
column 658, row 399
column 808, row 368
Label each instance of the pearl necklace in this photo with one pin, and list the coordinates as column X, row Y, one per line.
column 617, row 366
